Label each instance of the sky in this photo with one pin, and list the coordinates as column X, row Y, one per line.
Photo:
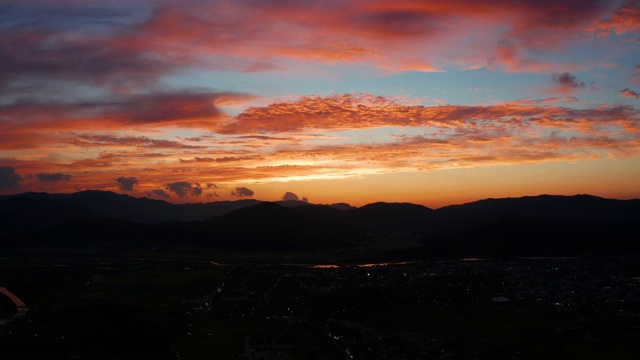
column 434, row 102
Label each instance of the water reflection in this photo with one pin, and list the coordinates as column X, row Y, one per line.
column 367, row 265
column 325, row 266
column 317, row 266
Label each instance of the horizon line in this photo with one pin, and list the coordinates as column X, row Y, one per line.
column 309, row 202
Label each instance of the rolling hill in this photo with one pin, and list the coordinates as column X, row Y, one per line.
column 533, row 225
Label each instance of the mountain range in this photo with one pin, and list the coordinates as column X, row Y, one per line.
column 531, row 225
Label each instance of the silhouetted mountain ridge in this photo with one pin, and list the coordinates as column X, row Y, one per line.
column 531, row 225
column 577, row 207
column 27, row 214
column 271, row 226
column 384, row 216
column 125, row 207
column 570, row 208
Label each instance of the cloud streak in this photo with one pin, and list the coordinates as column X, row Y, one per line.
column 106, row 140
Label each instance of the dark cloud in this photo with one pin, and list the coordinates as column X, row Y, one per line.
column 554, row 14
column 158, row 193
column 628, row 93
column 52, row 177
column 180, row 188
column 567, row 82
column 126, row 183
column 289, row 196
column 39, row 42
column 213, row 194
column 166, row 107
column 398, row 23
column 211, row 185
column 242, row 192
column 183, row 188
column 8, row 178
column 196, row 190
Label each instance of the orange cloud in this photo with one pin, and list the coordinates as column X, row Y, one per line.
column 318, row 137
column 364, row 111
column 628, row 93
column 625, row 19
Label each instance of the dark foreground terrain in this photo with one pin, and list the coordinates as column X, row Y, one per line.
column 98, row 275
column 198, row 305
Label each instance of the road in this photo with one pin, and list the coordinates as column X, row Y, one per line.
column 21, row 307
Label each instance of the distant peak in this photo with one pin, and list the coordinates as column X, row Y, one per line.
column 381, row 204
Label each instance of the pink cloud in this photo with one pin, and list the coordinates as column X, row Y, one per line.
column 364, row 111
column 167, row 37
column 180, row 109
column 628, row 93
column 625, row 19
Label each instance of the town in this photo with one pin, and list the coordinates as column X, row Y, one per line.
column 186, row 307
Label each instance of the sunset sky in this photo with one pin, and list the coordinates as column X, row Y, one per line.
column 431, row 102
